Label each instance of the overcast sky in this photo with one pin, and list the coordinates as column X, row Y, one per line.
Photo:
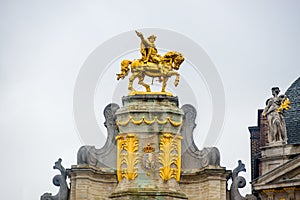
column 254, row 46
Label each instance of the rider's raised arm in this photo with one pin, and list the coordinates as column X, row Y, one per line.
column 143, row 40
column 139, row 34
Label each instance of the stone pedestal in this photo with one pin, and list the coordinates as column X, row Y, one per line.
column 276, row 154
column 149, row 148
column 279, row 172
column 145, row 141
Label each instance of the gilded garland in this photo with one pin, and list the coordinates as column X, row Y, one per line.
column 149, row 121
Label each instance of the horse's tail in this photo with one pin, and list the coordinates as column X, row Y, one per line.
column 124, row 69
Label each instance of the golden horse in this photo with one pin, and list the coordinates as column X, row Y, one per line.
column 163, row 70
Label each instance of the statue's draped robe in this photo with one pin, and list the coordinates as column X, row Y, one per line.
column 276, row 122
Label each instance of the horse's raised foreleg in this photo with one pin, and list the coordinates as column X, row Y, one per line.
column 141, row 82
column 172, row 73
column 124, row 69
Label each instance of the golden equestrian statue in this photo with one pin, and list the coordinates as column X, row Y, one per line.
column 151, row 64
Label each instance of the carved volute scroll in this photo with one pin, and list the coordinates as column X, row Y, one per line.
column 60, row 181
column 192, row 157
column 239, row 182
column 110, row 115
column 106, row 156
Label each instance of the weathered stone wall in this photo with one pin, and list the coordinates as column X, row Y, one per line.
column 286, row 193
column 208, row 183
column 255, row 145
column 91, row 183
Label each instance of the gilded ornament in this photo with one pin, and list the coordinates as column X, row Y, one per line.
column 127, row 155
column 120, row 146
column 148, row 159
column 170, row 156
column 285, row 105
column 149, row 121
column 151, row 64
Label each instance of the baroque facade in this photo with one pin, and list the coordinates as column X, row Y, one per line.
column 150, row 151
column 154, row 157
column 275, row 163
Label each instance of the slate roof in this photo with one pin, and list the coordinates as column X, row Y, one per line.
column 292, row 116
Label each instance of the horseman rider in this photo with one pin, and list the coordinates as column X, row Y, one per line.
column 148, row 49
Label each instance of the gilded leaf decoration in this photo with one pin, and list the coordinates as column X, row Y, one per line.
column 127, row 155
column 169, row 157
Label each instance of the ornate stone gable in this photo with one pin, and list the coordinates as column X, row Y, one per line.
column 282, row 182
column 280, row 177
column 150, row 151
column 276, row 165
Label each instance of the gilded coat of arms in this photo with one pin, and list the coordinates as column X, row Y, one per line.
column 148, row 159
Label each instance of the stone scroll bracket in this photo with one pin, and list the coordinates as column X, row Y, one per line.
column 60, row 181
column 192, row 157
column 238, row 182
column 106, row 156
